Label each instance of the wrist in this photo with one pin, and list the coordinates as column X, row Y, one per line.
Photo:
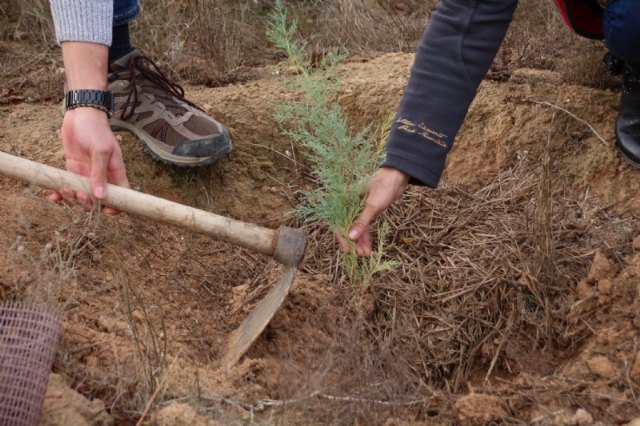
column 396, row 174
column 97, row 99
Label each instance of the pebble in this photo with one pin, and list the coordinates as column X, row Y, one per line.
column 582, row 418
column 600, row 268
column 107, row 323
column 602, row 366
column 605, row 286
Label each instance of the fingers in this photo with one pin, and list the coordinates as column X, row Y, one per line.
column 359, row 234
column 55, row 197
column 359, row 231
column 117, row 172
column 98, row 177
column 72, row 199
column 363, row 244
column 386, row 186
column 107, row 165
column 95, row 154
column 343, row 244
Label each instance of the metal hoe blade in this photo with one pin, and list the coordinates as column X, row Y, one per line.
column 242, row 338
column 285, row 245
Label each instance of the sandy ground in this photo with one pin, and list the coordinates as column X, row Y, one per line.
column 126, row 280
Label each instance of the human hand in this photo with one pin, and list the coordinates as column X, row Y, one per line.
column 386, row 186
column 91, row 149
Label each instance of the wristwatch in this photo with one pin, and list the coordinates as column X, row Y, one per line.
column 102, row 100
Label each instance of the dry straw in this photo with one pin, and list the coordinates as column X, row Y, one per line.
column 484, row 274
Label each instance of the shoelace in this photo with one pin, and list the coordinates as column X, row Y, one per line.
column 142, row 68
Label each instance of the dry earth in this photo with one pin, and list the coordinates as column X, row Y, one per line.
column 126, row 279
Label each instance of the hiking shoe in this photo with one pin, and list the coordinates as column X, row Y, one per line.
column 628, row 121
column 152, row 107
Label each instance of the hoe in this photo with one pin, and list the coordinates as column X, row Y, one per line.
column 286, row 245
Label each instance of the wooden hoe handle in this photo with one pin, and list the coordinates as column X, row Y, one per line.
column 286, row 244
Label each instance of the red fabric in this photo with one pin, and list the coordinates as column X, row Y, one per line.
column 582, row 16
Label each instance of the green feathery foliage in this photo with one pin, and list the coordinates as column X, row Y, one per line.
column 341, row 161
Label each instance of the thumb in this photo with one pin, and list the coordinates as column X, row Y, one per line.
column 361, row 224
column 98, row 177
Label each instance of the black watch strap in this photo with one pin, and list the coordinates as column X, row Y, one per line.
column 102, row 100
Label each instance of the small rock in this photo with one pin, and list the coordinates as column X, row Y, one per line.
column 479, row 409
column 602, row 366
column 182, row 415
column 583, row 289
column 63, row 406
column 106, row 323
column 581, row 418
column 636, row 243
column 605, row 286
column 92, row 361
column 138, row 316
column 601, row 267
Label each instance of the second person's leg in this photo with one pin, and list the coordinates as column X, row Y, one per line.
column 124, row 11
column 622, row 35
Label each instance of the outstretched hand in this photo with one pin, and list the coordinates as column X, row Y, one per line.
column 91, row 149
column 386, row 186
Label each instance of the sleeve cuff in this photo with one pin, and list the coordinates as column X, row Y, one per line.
column 418, row 173
column 83, row 20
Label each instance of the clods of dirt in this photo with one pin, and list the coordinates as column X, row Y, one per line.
column 140, row 296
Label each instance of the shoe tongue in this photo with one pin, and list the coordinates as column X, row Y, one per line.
column 122, row 63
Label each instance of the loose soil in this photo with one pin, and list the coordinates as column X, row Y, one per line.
column 128, row 286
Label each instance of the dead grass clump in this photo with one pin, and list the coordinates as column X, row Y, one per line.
column 587, row 67
column 27, row 20
column 485, row 276
column 483, row 270
column 29, row 58
column 149, row 334
column 44, row 265
column 205, row 41
column 367, row 27
column 539, row 39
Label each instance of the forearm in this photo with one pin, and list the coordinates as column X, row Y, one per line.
column 85, row 65
column 458, row 47
column 83, row 20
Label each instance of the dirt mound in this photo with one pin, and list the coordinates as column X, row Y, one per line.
column 141, row 297
column 63, row 406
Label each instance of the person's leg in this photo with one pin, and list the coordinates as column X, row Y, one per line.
column 153, row 108
column 622, row 36
column 621, row 22
column 124, row 11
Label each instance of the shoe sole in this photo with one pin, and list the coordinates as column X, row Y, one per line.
column 624, row 156
column 169, row 158
column 628, row 160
